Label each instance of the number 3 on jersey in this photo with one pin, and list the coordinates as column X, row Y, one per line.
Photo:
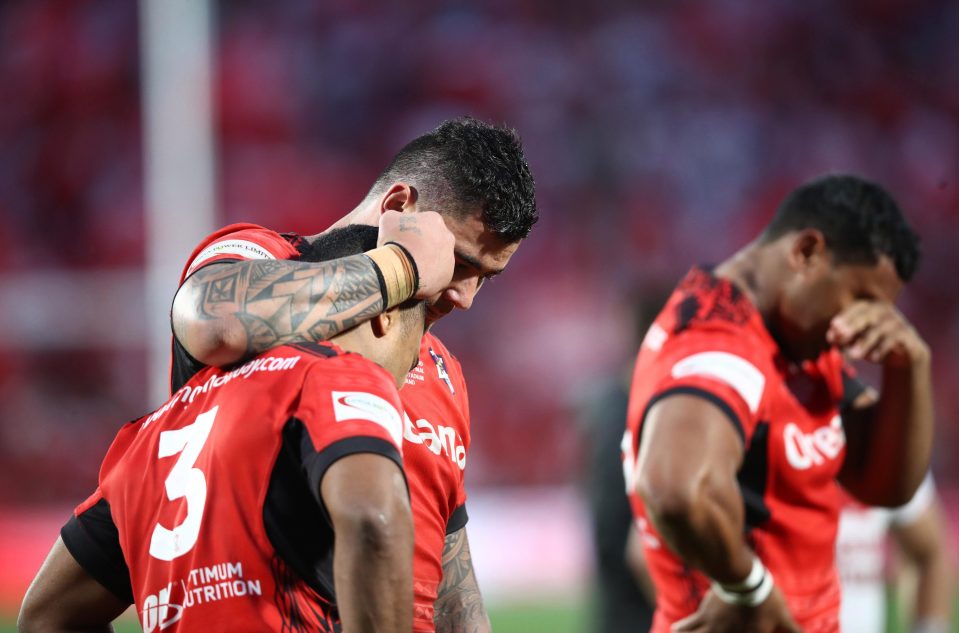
column 184, row 481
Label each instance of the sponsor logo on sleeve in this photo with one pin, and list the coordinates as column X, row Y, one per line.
column 241, row 248
column 733, row 370
column 360, row 405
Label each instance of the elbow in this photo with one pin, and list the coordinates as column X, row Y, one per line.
column 898, row 495
column 31, row 617
column 202, row 336
column 668, row 501
column 25, row 622
column 885, row 493
column 883, row 496
column 375, row 533
column 376, row 528
column 210, row 350
column 683, row 500
column 896, row 498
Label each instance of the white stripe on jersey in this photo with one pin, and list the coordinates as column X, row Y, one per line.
column 243, row 248
column 361, row 405
column 733, row 370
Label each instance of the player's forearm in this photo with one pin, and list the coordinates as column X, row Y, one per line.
column 702, row 522
column 899, row 445
column 29, row 626
column 64, row 597
column 33, row 626
column 227, row 312
column 934, row 591
column 459, row 604
column 905, row 418
column 373, row 574
column 636, row 563
column 925, row 548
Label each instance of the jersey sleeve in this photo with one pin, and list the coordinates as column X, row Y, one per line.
column 351, row 408
column 719, row 367
column 235, row 242
column 93, row 540
column 238, row 242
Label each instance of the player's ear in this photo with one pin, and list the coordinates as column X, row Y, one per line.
column 382, row 323
column 401, row 196
column 808, row 251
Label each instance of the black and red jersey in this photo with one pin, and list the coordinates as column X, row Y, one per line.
column 208, row 514
column 710, row 341
column 436, row 419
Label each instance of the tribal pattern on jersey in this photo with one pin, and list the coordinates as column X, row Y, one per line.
column 709, row 341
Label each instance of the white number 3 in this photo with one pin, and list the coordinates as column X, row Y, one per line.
column 184, row 481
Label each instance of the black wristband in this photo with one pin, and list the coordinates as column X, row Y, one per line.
column 382, row 281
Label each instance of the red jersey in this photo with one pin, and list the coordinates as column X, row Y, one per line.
column 436, row 420
column 710, row 341
column 208, row 513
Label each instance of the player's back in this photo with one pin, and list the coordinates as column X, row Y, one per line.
column 215, row 495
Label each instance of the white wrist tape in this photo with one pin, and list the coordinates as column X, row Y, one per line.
column 750, row 592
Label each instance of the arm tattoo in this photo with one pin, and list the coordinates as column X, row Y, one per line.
column 459, row 605
column 279, row 301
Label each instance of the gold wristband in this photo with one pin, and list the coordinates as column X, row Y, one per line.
column 397, row 279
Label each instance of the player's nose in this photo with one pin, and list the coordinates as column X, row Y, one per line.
column 461, row 293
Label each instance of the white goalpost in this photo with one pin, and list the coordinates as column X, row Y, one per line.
column 179, row 181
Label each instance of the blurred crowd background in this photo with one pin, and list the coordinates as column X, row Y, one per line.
column 661, row 134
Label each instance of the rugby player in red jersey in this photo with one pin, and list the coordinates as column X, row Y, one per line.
column 744, row 419
column 244, row 291
column 219, row 510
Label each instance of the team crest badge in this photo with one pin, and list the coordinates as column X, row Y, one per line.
column 441, row 370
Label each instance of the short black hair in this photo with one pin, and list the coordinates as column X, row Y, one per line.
column 465, row 162
column 342, row 242
column 353, row 239
column 859, row 219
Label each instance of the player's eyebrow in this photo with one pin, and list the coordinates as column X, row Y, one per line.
column 477, row 264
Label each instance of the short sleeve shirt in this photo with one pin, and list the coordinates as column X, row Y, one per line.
column 711, row 342
column 436, row 427
column 208, row 514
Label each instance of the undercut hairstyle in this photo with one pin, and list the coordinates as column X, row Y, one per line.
column 859, row 219
column 465, row 162
column 342, row 242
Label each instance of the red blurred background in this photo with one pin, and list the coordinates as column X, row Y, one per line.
column 660, row 134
